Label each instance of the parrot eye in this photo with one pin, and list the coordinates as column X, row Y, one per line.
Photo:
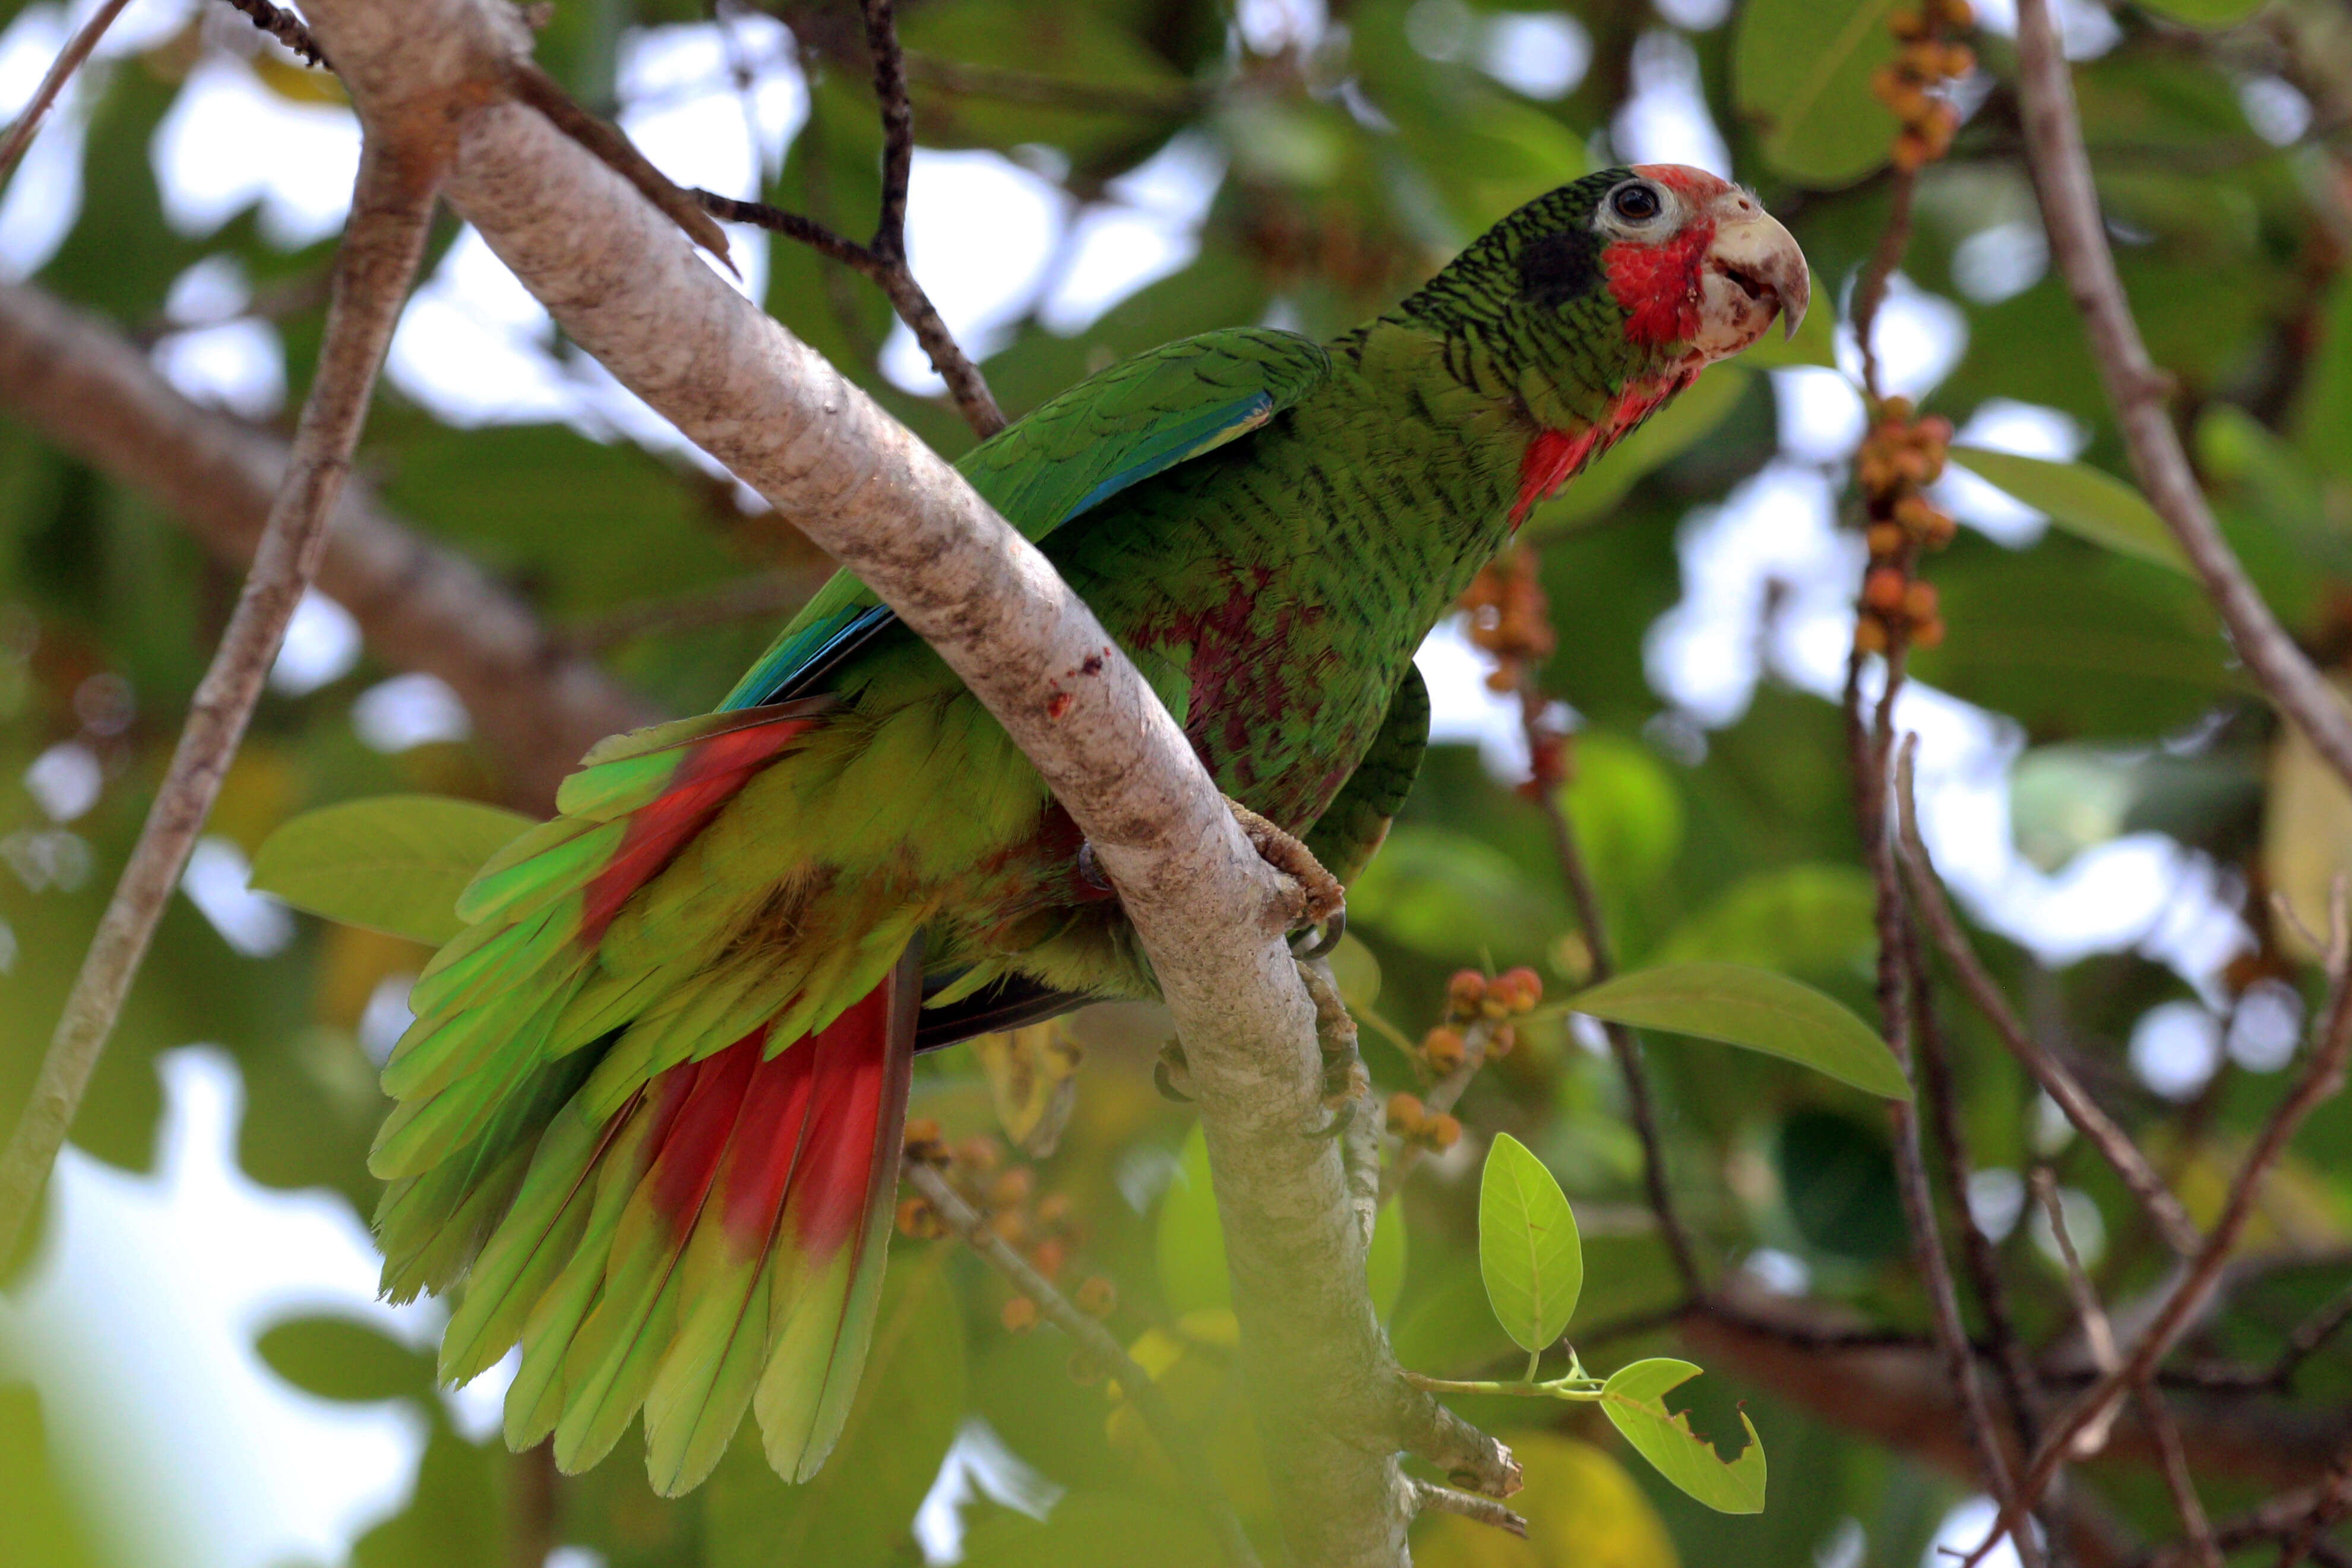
column 1634, row 201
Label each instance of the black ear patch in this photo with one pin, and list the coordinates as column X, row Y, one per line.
column 1560, row 265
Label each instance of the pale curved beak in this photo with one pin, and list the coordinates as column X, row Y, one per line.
column 1755, row 256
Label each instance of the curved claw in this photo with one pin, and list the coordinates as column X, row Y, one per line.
column 1165, row 1082
column 1326, row 937
column 1343, row 1117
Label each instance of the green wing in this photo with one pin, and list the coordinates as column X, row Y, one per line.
column 1112, row 430
column 1353, row 824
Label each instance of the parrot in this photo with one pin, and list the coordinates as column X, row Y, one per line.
column 648, row 1118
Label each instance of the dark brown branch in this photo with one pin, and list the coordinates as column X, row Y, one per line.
column 2179, row 1479
column 286, row 28
column 2020, row 1388
column 883, row 259
column 1868, row 748
column 1623, row 1045
column 2323, row 1077
column 1181, row 1447
column 45, row 97
column 1870, row 291
column 390, row 210
column 2138, row 391
column 2114, row 1145
column 897, row 129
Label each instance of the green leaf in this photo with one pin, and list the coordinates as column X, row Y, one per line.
column 1754, row 1009
column 1527, row 1246
column 2084, row 500
column 343, row 1358
column 1812, row 917
column 1634, row 1401
column 2205, row 13
column 853, row 1512
column 1190, row 1244
column 395, row 863
column 1801, row 71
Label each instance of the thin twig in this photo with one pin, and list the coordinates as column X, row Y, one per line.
column 1870, row 291
column 534, row 87
column 1868, row 747
column 2334, row 1497
column 2138, row 391
column 2098, row 1331
column 61, row 70
column 390, row 210
column 897, row 129
column 1622, row 1045
column 2322, row 1077
column 286, row 28
column 1440, row 1096
column 2020, row 1388
column 1424, row 1496
column 883, row 259
column 2179, row 1479
column 2114, row 1145
column 1182, row 1448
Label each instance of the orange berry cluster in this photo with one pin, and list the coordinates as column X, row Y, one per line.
column 1906, row 84
column 1899, row 458
column 1510, row 617
column 1043, row 1230
column 1414, row 1122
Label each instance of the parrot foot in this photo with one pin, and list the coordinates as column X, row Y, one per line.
column 1320, row 896
column 1343, row 1116
column 1167, row 1068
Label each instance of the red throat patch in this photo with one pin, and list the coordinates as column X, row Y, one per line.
column 1554, row 457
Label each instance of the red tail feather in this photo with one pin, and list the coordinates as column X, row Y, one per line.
column 713, row 771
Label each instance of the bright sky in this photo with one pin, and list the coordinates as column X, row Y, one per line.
column 152, row 1381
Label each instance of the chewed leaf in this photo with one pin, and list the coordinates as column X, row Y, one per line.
column 1528, row 1250
column 395, row 863
column 1634, row 1401
column 1752, row 1007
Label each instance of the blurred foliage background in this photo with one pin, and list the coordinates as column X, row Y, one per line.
column 1345, row 153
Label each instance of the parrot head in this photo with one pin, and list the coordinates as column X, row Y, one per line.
column 1695, row 262
column 1635, row 272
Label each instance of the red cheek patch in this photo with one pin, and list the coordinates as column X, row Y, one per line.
column 1657, row 286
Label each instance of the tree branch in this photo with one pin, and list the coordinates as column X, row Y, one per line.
column 2114, row 1145
column 2138, row 391
column 45, row 97
column 1209, row 914
column 285, row 28
column 1182, row 1448
column 391, row 209
column 83, row 385
column 2323, row 1075
column 1428, row 1497
column 883, row 259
